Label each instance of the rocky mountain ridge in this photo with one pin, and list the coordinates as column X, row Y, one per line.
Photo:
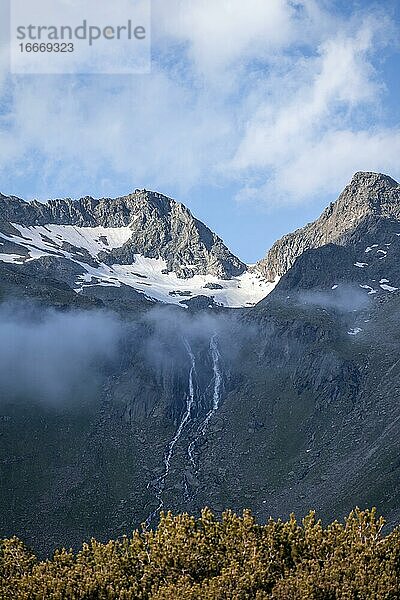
column 367, row 195
column 143, row 245
column 161, row 228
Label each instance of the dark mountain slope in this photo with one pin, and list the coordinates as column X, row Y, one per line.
column 314, row 419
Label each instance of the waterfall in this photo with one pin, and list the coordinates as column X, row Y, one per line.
column 159, row 484
column 216, row 387
column 216, row 397
column 216, row 360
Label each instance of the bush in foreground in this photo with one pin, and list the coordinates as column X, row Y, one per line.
column 201, row 559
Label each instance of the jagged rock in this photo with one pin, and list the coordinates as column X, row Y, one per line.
column 213, row 286
column 368, row 194
column 161, row 228
column 200, row 303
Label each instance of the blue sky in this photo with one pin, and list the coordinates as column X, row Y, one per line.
column 255, row 115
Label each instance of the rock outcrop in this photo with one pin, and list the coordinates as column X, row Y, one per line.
column 367, row 195
column 161, row 228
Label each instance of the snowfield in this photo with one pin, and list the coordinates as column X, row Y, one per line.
column 148, row 276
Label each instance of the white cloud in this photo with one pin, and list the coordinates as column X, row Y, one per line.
column 262, row 92
column 156, row 132
column 340, row 75
column 330, row 162
column 326, row 165
column 306, row 140
column 220, row 33
column 4, row 52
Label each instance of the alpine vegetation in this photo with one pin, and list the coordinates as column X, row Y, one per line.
column 206, row 558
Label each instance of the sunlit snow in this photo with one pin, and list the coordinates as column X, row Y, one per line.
column 354, row 331
column 368, row 287
column 388, row 288
column 146, row 275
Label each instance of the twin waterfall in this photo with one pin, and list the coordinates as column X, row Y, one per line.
column 190, row 417
column 216, row 395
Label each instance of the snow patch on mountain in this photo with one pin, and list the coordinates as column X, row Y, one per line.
column 354, row 331
column 388, row 288
column 42, row 240
column 368, row 287
column 149, row 276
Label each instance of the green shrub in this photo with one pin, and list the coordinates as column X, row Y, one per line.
column 206, row 558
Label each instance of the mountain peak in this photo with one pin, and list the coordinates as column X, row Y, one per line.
column 144, row 241
column 371, row 179
column 160, row 228
column 367, row 195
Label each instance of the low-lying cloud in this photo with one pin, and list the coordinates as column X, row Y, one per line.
column 171, row 329
column 344, row 298
column 50, row 356
column 55, row 357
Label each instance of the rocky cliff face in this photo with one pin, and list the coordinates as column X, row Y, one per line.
column 164, row 228
column 367, row 195
column 161, row 228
